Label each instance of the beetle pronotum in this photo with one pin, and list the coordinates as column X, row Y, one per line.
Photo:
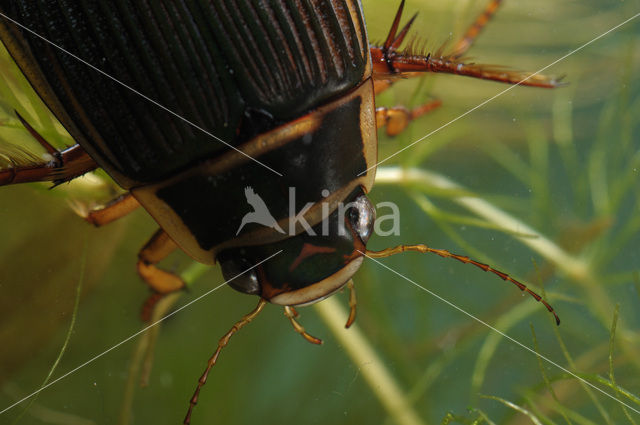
column 285, row 87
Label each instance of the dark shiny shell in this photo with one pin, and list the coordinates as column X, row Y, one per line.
column 236, row 68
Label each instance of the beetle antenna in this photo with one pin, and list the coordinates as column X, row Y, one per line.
column 446, row 254
column 214, row 358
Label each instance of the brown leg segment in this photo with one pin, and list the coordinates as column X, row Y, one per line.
column 73, row 162
column 390, row 63
column 352, row 304
column 160, row 281
column 64, row 165
column 474, row 30
column 214, row 358
column 381, row 85
column 391, row 44
column 292, row 314
column 112, row 211
column 157, row 249
column 396, row 119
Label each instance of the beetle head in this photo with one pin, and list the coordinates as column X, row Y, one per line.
column 311, row 265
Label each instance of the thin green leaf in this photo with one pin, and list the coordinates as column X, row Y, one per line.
column 515, row 407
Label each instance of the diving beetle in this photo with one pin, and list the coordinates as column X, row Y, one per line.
column 187, row 105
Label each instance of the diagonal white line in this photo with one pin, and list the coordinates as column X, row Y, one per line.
column 502, row 92
column 138, row 93
column 501, row 333
column 135, row 335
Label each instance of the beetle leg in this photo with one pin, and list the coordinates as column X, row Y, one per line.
column 381, row 85
column 390, row 63
column 298, row 327
column 115, row 209
column 214, row 358
column 474, row 30
column 71, row 163
column 160, row 281
column 352, row 304
column 380, row 54
column 397, row 118
column 409, row 65
column 59, row 166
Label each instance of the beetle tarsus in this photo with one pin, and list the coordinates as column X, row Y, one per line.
column 390, row 63
column 474, row 30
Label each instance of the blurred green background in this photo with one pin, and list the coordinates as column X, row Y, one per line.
column 564, row 162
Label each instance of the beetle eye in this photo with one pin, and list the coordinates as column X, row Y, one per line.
column 362, row 216
column 232, row 267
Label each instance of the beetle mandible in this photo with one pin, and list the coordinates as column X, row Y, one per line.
column 190, row 105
